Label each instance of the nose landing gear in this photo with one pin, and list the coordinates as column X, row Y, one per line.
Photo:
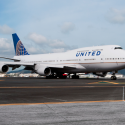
column 113, row 77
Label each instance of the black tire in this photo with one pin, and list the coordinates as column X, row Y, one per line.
column 113, row 77
column 47, row 77
column 75, row 77
column 62, row 77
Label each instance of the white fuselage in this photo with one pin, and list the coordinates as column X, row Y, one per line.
column 89, row 59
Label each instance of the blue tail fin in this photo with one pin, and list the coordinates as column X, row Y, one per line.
column 18, row 46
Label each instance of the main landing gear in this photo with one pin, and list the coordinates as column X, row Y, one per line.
column 113, row 77
column 61, row 76
column 52, row 76
column 75, row 76
column 55, row 76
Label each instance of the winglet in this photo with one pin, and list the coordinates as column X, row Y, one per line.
column 18, row 46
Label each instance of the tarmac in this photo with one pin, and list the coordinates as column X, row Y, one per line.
column 33, row 101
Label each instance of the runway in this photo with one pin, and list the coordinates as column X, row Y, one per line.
column 32, row 101
column 38, row 90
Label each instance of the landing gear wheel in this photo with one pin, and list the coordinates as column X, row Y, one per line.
column 51, row 77
column 113, row 78
column 62, row 77
column 75, row 77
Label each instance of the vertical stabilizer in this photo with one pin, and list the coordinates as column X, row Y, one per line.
column 18, row 46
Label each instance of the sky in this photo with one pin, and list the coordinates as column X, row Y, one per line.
column 51, row 26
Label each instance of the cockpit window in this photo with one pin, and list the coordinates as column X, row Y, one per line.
column 118, row 48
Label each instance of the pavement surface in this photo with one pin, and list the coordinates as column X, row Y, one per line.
column 102, row 113
column 38, row 90
column 61, row 101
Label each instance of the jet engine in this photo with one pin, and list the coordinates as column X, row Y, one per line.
column 3, row 68
column 102, row 74
column 42, row 70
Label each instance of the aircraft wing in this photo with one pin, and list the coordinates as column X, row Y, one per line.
column 10, row 58
column 17, row 63
column 31, row 66
column 66, row 66
column 47, row 65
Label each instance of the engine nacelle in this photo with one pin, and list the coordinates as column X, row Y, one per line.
column 42, row 70
column 4, row 68
column 102, row 74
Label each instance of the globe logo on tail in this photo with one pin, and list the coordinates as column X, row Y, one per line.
column 20, row 49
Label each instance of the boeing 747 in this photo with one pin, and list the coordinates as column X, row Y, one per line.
column 97, row 60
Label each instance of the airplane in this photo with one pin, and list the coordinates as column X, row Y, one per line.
column 97, row 60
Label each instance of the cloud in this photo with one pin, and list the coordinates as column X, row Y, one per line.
column 6, row 29
column 67, row 27
column 32, row 50
column 6, row 47
column 50, row 45
column 58, row 50
column 57, row 44
column 4, row 43
column 37, row 38
column 37, row 50
column 116, row 16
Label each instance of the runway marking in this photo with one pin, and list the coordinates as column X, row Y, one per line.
column 101, row 82
column 55, row 99
column 43, row 87
column 52, row 87
column 61, row 102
